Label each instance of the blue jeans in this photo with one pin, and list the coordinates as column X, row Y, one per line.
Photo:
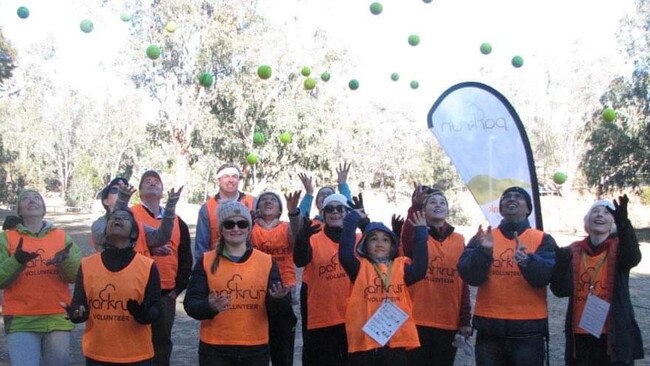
column 30, row 348
column 161, row 331
column 499, row 351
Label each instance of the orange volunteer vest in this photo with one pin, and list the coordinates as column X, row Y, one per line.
column 212, row 205
column 168, row 264
column 437, row 298
column 275, row 241
column 38, row 289
column 368, row 293
column 506, row 294
column 245, row 323
column 328, row 286
column 111, row 334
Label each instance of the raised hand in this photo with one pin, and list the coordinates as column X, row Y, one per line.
column 278, row 291
column 125, row 191
column 173, row 197
column 342, row 173
column 307, row 183
column 419, row 195
column 22, row 256
column 419, row 219
column 396, row 223
column 217, row 302
column 620, row 210
column 485, row 238
column 357, row 202
column 292, row 201
column 307, row 229
column 60, row 256
column 520, row 256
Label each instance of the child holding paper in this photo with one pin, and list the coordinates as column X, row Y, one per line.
column 379, row 292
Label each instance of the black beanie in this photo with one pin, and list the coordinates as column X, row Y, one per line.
column 521, row 191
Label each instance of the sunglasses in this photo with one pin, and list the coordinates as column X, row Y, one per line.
column 332, row 209
column 231, row 224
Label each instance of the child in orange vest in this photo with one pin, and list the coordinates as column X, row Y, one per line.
column 380, row 280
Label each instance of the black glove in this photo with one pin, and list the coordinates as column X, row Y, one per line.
column 357, row 202
column 307, row 229
column 620, row 211
column 75, row 314
column 60, row 256
column 396, row 222
column 563, row 256
column 22, row 256
column 138, row 310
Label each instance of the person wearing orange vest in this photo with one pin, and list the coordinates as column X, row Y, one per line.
column 325, row 286
column 305, row 204
column 511, row 266
column 207, row 225
column 274, row 237
column 37, row 262
column 117, row 294
column 441, row 302
column 233, row 291
column 599, row 266
column 174, row 266
column 380, row 277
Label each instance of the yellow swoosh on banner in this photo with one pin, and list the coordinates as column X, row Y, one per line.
column 486, row 189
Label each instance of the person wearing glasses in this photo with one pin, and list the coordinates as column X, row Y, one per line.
column 108, row 197
column 207, row 225
column 234, row 290
column 511, row 266
column 325, row 285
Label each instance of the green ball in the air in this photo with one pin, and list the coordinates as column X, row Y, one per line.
column 310, row 83
column 376, row 8
column 414, row 84
column 153, row 52
column 394, row 76
column 86, row 26
column 414, row 40
column 252, row 158
column 23, row 12
column 264, row 72
column 325, row 76
column 258, row 138
column 353, row 84
column 609, row 114
column 306, row 71
column 125, row 16
column 559, row 177
column 285, row 138
column 486, row 48
column 171, row 27
column 517, row 61
column 206, row 79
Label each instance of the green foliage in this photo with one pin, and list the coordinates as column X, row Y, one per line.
column 645, row 195
column 9, row 188
column 84, row 185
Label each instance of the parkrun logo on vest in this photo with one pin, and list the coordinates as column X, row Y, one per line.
column 268, row 248
column 108, row 302
column 475, row 119
column 377, row 287
column 235, row 290
column 585, row 280
column 332, row 270
column 504, row 265
column 437, row 273
column 40, row 266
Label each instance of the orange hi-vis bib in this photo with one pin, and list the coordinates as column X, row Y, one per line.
column 275, row 241
column 245, row 322
column 167, row 264
column 506, row 294
column 328, row 286
column 369, row 291
column 437, row 298
column 111, row 334
column 38, row 289
column 212, row 205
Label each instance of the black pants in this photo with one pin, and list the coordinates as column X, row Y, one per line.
column 499, row 351
column 379, row 357
column 161, row 331
column 210, row 355
column 592, row 351
column 325, row 346
column 435, row 348
column 282, row 333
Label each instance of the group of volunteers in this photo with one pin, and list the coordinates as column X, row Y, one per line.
column 369, row 294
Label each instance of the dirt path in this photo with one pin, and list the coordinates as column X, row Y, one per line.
column 185, row 334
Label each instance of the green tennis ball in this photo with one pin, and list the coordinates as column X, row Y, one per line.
column 285, row 138
column 325, row 76
column 414, row 39
column 306, row 71
column 86, row 26
column 486, row 48
column 414, row 84
column 206, row 79
column 252, row 158
column 258, row 138
column 170, row 27
column 23, row 12
column 559, row 177
column 517, row 61
column 310, row 83
column 153, row 51
column 609, row 114
column 125, row 16
column 264, row 72
column 376, row 8
column 394, row 76
column 353, row 84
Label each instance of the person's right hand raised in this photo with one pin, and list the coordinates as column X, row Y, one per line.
column 173, row 196
column 307, row 183
column 419, row 195
column 485, row 238
column 307, row 229
column 22, row 256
